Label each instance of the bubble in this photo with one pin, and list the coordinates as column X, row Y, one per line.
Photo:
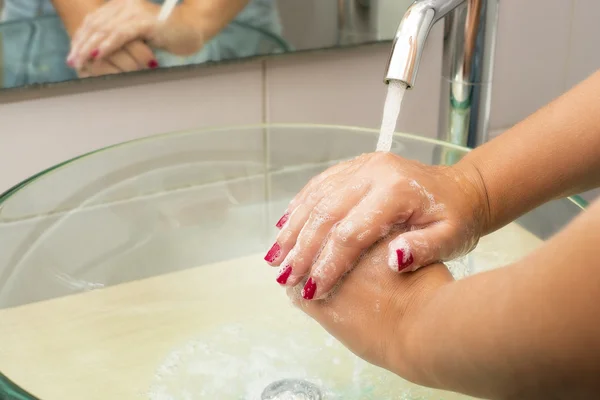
column 363, row 235
column 345, row 230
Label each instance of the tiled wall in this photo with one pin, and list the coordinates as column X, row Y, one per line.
column 544, row 47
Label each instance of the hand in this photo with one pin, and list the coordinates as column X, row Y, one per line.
column 118, row 22
column 134, row 56
column 373, row 310
column 439, row 212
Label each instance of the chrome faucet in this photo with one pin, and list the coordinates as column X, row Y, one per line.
column 469, row 39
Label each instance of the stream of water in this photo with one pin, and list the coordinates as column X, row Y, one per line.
column 391, row 110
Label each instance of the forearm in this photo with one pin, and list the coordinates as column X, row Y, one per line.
column 73, row 12
column 553, row 153
column 525, row 331
column 202, row 21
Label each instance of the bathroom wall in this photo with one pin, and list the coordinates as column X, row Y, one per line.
column 538, row 57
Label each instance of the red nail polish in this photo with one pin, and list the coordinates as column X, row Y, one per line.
column 70, row 63
column 284, row 275
column 403, row 262
column 309, row 289
column 94, row 53
column 273, row 253
column 152, row 64
column 282, row 220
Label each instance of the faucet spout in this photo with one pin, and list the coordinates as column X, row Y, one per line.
column 467, row 62
column 410, row 38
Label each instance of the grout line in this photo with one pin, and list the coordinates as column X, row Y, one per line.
column 569, row 46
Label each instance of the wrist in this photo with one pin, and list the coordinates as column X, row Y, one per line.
column 185, row 31
column 475, row 184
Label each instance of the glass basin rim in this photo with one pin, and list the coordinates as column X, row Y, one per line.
column 576, row 199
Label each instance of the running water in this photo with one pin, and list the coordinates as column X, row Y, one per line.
column 391, row 110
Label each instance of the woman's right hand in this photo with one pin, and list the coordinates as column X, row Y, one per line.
column 437, row 213
column 373, row 312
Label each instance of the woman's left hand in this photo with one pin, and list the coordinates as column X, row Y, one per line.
column 373, row 310
column 119, row 22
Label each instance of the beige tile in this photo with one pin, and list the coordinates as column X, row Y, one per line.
column 531, row 54
column 584, row 57
column 36, row 134
column 345, row 87
column 497, row 132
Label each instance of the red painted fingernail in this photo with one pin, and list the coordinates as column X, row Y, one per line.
column 70, row 63
column 282, row 220
column 273, row 253
column 152, row 64
column 94, row 53
column 284, row 275
column 308, row 292
column 404, row 260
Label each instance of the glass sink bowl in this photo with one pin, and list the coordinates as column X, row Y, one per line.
column 136, row 271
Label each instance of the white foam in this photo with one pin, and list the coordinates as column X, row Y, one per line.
column 391, row 110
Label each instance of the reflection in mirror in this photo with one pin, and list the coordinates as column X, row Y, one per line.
column 47, row 41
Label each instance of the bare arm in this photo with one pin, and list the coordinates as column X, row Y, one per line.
column 212, row 16
column 553, row 153
column 72, row 12
column 522, row 332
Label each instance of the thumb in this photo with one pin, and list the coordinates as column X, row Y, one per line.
column 412, row 250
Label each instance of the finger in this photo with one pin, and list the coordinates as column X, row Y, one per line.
column 95, row 22
column 87, row 50
column 142, row 54
column 120, row 35
column 309, row 188
column 412, row 250
column 287, row 237
column 99, row 68
column 123, row 61
column 317, row 180
column 322, row 224
column 371, row 220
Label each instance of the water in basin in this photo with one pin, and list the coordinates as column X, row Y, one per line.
column 136, row 272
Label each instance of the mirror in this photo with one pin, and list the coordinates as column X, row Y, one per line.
column 36, row 36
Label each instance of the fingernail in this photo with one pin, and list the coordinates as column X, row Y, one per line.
column 284, row 275
column 404, row 260
column 94, row 53
column 152, row 64
column 70, row 62
column 282, row 220
column 308, row 292
column 273, row 253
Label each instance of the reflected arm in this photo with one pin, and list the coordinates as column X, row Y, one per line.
column 72, row 12
column 206, row 18
column 552, row 154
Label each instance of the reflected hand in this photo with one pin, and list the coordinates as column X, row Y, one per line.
column 373, row 310
column 439, row 212
column 118, row 22
column 134, row 56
